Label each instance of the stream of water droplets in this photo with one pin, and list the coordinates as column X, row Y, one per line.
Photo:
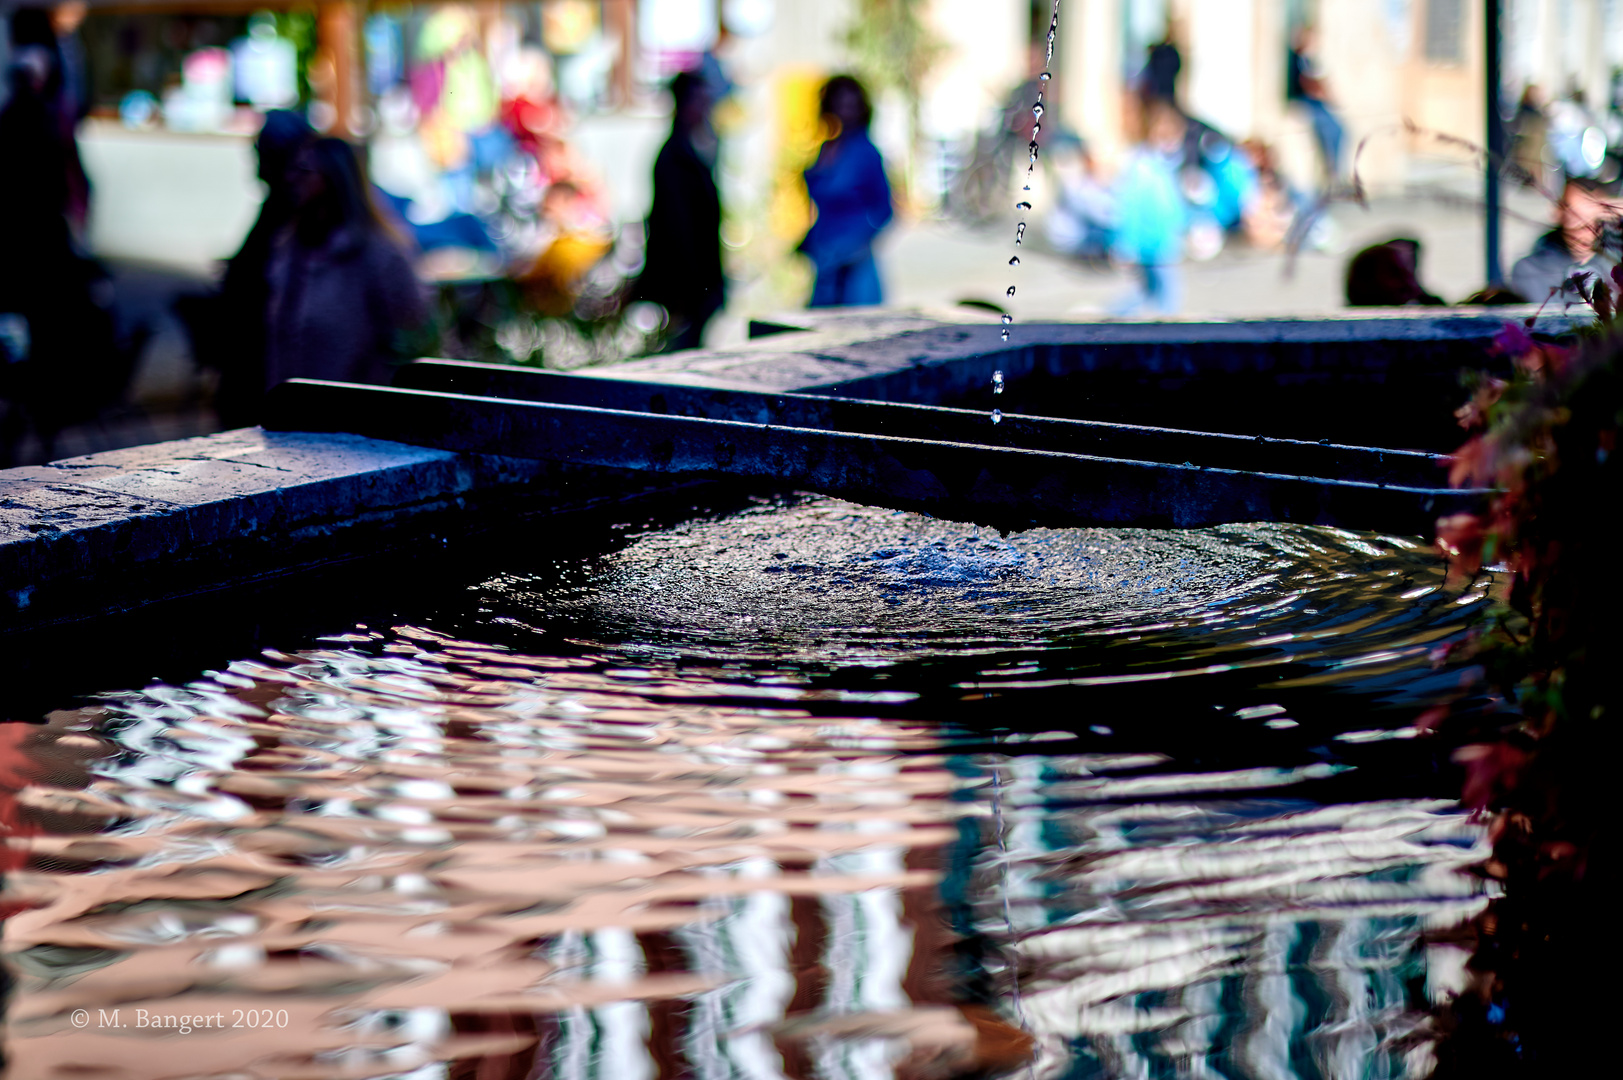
column 1024, row 205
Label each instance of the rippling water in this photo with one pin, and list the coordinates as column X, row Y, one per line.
column 805, row 790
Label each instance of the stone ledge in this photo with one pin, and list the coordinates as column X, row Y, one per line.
column 100, row 531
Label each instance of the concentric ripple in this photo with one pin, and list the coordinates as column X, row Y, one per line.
column 812, row 789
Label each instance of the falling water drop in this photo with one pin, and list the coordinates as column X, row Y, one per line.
column 1038, row 109
column 997, row 416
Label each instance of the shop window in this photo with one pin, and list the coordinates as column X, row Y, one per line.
column 1445, row 31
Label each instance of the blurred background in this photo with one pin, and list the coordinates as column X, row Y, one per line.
column 514, row 145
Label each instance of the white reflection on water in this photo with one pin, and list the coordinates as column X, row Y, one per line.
column 1226, row 938
column 427, row 854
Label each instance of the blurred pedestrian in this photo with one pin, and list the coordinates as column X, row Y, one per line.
column 1305, row 86
column 1267, row 220
column 66, row 18
column 52, row 295
column 1529, row 130
column 1387, row 275
column 1578, row 244
column 342, row 296
column 682, row 267
column 1151, row 217
column 1084, row 214
column 227, row 329
column 847, row 184
column 1162, row 66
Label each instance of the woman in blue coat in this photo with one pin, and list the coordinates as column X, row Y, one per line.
column 847, row 185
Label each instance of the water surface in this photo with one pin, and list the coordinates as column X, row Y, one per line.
column 807, row 789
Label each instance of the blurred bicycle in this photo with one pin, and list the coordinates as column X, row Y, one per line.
column 977, row 192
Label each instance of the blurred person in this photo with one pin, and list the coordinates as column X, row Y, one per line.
column 713, row 68
column 66, row 19
column 531, row 110
column 1162, row 65
column 1576, row 244
column 71, row 362
column 1267, row 219
column 227, row 329
column 458, row 101
column 1218, row 183
column 1529, row 133
column 1387, row 275
column 1084, row 214
column 342, row 295
column 579, row 239
column 682, row 270
column 34, row 35
column 847, row 185
column 980, row 187
column 1151, row 218
column 1305, row 86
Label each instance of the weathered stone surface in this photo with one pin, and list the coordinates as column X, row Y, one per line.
column 80, row 528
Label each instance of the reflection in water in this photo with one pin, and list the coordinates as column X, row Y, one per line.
column 810, row 790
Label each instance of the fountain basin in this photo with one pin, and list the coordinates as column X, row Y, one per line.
column 108, row 532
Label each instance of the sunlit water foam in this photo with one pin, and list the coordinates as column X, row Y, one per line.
column 825, row 581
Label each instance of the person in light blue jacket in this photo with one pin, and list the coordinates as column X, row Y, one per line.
column 847, row 184
column 1151, row 217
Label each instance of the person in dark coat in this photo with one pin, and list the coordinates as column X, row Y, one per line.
column 46, row 284
column 1578, row 244
column 682, row 269
column 1162, row 65
column 227, row 328
column 847, row 184
column 1306, row 86
column 342, row 295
